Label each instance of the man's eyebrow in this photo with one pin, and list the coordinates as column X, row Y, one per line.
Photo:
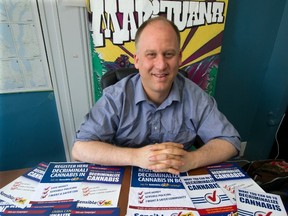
column 171, row 50
column 168, row 50
column 149, row 50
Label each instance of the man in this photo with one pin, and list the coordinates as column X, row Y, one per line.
column 151, row 119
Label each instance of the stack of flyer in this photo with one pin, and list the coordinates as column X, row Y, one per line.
column 64, row 188
column 209, row 193
column 249, row 197
column 226, row 190
column 78, row 189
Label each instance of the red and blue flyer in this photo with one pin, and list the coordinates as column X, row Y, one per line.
column 58, row 208
column 4, row 205
column 60, row 182
column 101, row 188
column 95, row 211
column 207, row 196
column 28, row 211
column 19, row 191
column 154, row 193
column 255, row 203
column 229, row 176
column 92, row 186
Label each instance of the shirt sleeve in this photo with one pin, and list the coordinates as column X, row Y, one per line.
column 214, row 125
column 100, row 123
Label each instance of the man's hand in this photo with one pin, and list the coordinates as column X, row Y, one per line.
column 164, row 157
column 167, row 157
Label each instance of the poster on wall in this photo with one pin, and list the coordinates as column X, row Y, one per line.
column 200, row 22
column 23, row 63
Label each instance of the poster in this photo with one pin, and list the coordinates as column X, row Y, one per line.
column 201, row 24
column 23, row 62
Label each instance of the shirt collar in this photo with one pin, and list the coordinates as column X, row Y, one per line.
column 140, row 95
column 174, row 94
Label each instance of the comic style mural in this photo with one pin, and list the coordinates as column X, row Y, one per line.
column 201, row 24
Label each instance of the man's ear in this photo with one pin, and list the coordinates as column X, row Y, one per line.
column 180, row 57
column 136, row 61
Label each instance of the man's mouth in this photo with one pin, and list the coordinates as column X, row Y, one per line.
column 160, row 75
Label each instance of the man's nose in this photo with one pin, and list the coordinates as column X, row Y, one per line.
column 160, row 62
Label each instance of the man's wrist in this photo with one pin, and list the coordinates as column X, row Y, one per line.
column 132, row 156
column 192, row 160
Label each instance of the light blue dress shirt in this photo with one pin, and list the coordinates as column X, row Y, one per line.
column 125, row 117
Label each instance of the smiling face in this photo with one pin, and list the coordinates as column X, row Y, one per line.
column 158, row 58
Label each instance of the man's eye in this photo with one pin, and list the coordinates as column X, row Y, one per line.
column 151, row 55
column 169, row 55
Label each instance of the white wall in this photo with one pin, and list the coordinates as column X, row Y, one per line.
column 66, row 37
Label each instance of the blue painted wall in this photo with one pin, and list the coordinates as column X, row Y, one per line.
column 253, row 72
column 29, row 130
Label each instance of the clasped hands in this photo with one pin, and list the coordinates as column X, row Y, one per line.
column 164, row 157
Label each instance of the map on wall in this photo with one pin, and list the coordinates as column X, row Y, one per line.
column 23, row 63
column 200, row 22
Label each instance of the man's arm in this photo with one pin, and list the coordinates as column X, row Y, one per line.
column 101, row 153
column 215, row 151
column 107, row 154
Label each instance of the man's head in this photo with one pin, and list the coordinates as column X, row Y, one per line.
column 158, row 56
column 159, row 18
